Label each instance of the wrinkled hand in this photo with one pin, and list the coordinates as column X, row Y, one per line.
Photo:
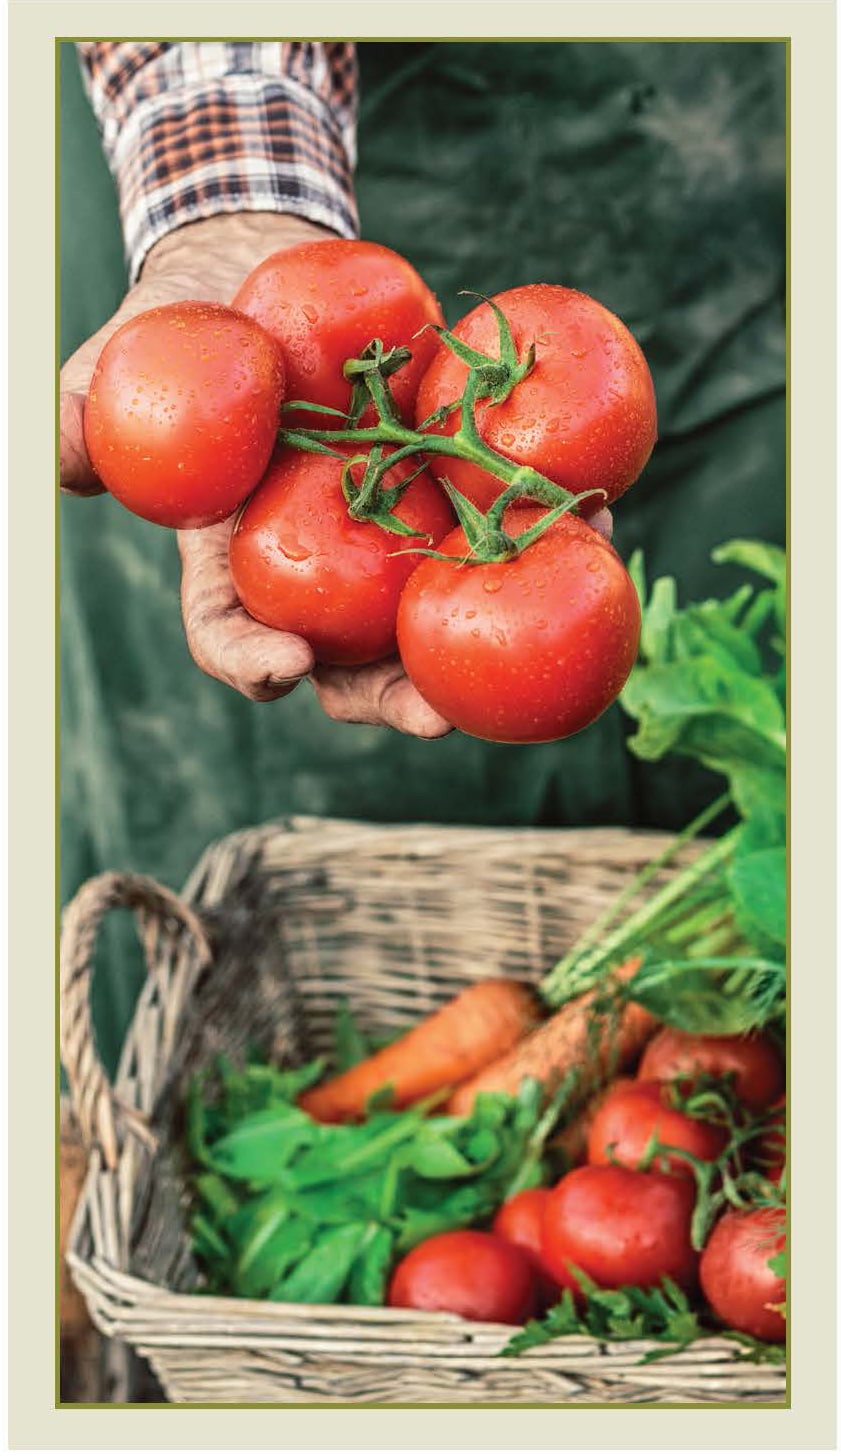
column 208, row 260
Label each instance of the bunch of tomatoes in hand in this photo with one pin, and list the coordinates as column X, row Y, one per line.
column 399, row 486
column 633, row 1213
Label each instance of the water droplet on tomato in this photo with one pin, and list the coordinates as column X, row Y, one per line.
column 471, row 614
column 492, row 584
column 310, row 313
column 507, row 439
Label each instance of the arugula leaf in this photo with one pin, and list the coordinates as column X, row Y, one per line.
column 271, row 1241
column 276, row 1192
column 352, row 1046
column 321, row 1275
column 370, row 1268
column 259, row 1145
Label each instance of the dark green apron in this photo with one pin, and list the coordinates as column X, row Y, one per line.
column 651, row 175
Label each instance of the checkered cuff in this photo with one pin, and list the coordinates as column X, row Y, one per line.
column 194, row 130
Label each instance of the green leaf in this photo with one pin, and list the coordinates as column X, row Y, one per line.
column 262, row 1144
column 321, row 1275
column 220, row 1202
column 370, row 1269
column 658, row 619
column 439, row 1159
column 272, row 1240
column 208, row 1242
column 662, row 1313
column 636, row 571
column 713, row 997
column 758, row 881
column 766, row 560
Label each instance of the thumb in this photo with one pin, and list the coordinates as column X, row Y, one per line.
column 76, row 475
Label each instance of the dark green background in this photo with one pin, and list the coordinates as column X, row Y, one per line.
column 651, row 175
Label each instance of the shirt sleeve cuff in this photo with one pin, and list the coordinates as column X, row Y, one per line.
column 252, row 144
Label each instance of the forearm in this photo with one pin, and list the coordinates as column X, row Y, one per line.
column 223, row 250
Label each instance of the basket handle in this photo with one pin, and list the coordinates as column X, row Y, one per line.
column 96, row 1105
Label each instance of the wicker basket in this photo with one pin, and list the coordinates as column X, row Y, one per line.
column 275, row 927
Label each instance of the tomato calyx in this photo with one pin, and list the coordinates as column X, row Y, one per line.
column 486, row 538
column 370, row 499
column 489, row 378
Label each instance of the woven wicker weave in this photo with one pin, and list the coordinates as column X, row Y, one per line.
column 275, row 927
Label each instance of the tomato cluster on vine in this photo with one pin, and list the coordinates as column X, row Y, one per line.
column 397, row 486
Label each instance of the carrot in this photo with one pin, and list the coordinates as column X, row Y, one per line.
column 477, row 1026
column 562, row 1044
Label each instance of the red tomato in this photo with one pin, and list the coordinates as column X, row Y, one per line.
column 634, row 1112
column 754, row 1061
column 476, row 1275
column 769, row 1153
column 526, row 650
column 301, row 564
column 183, row 412
column 585, row 416
column 520, row 1221
column 737, row 1282
column 620, row 1227
column 325, row 301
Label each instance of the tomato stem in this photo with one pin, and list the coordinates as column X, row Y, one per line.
column 487, row 378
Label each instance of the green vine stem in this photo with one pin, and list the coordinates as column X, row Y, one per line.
column 487, row 378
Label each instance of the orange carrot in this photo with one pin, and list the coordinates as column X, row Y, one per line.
column 476, row 1027
column 562, row 1044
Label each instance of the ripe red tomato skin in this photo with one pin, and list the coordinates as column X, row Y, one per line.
column 619, row 1226
column 466, row 1272
column 585, row 416
column 300, row 563
column 754, row 1059
column 632, row 1112
column 324, row 301
column 183, row 411
column 520, row 1222
column 527, row 650
column 734, row 1273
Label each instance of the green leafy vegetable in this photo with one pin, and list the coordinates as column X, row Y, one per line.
column 629, row 1313
column 352, row 1046
column 662, row 1314
column 291, row 1209
column 710, row 685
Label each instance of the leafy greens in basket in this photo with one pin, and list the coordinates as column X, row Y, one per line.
column 287, row 1208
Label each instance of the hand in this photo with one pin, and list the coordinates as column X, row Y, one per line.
column 208, row 260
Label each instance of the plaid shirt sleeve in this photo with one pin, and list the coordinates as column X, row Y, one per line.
column 192, row 129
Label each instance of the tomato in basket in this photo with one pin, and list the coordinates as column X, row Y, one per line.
column 476, row 1275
